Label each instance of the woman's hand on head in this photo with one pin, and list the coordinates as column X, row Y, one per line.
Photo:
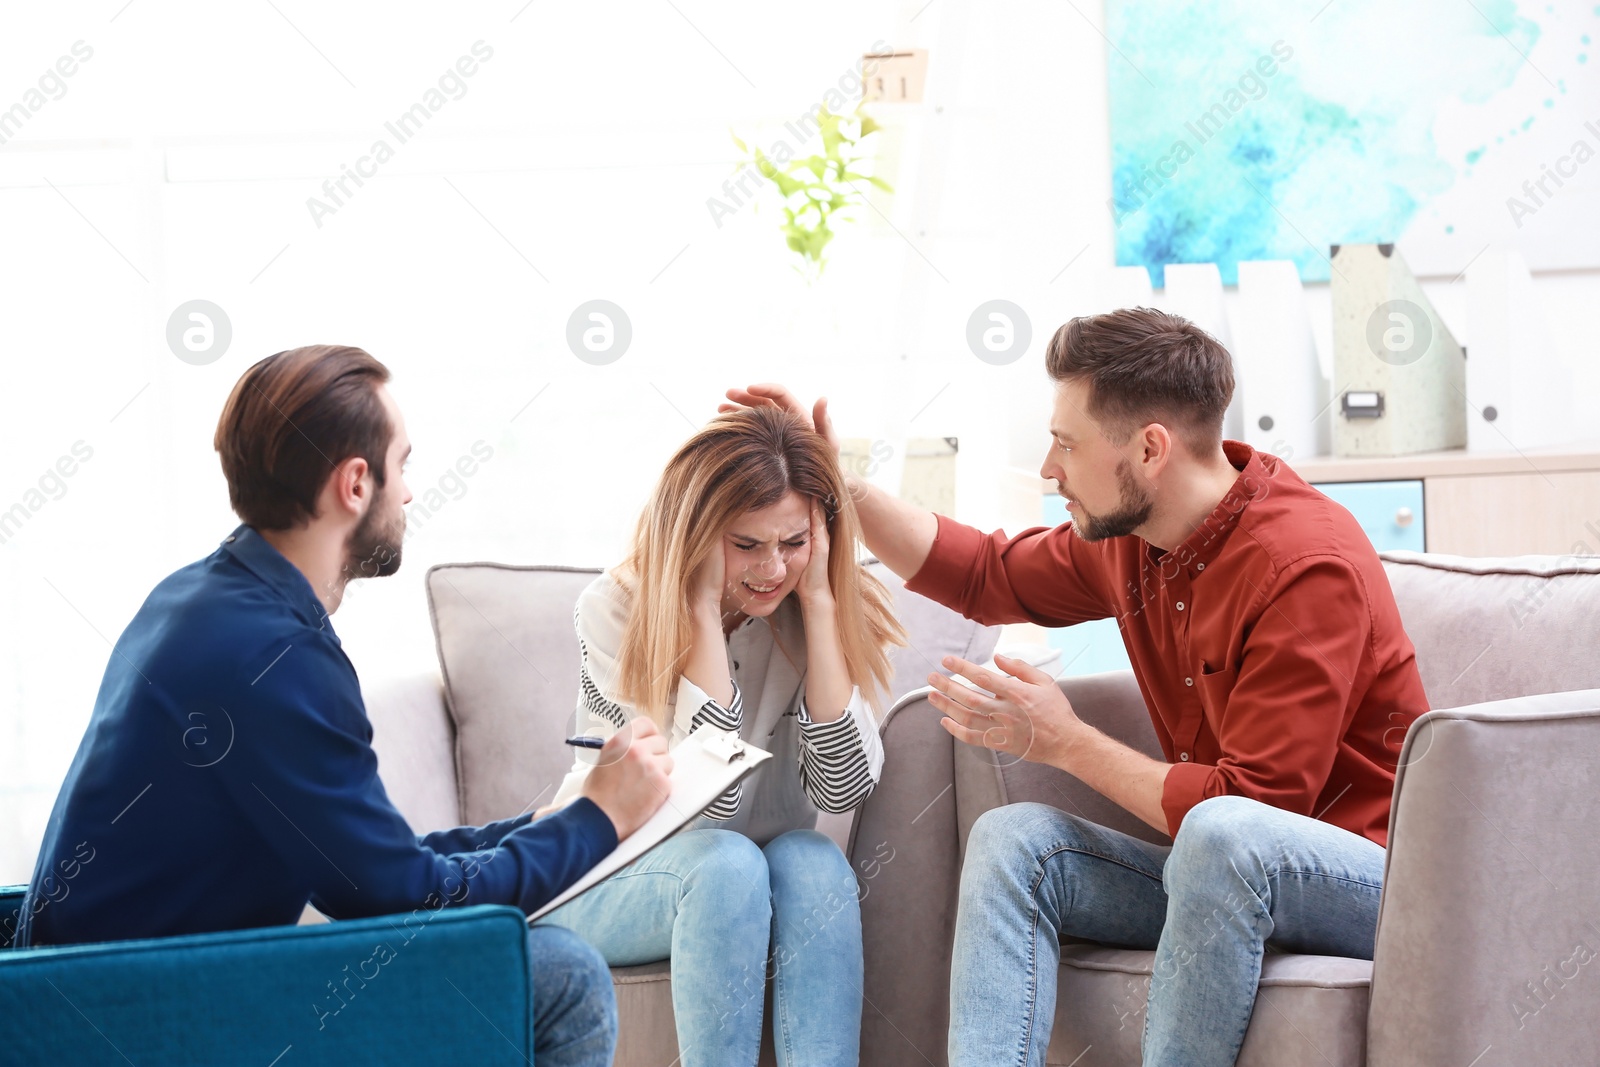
column 769, row 394
column 709, row 586
column 814, row 589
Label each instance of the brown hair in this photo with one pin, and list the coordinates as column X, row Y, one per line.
column 1144, row 366
column 742, row 461
column 290, row 420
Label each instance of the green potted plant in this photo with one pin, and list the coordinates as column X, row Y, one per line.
column 819, row 191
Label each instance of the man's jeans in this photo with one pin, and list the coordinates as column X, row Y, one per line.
column 1238, row 875
column 574, row 1005
column 728, row 913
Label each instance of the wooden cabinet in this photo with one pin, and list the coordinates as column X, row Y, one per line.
column 1392, row 513
column 1544, row 501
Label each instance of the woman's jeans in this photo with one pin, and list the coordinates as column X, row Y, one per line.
column 729, row 914
column 1238, row 875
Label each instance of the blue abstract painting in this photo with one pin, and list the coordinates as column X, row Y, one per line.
column 1259, row 129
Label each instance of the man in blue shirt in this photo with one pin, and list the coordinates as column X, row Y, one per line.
column 227, row 776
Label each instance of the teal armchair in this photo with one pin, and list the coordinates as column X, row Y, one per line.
column 401, row 989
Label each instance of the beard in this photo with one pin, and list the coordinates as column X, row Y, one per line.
column 1131, row 513
column 373, row 548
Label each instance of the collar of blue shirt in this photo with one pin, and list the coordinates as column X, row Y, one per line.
column 257, row 555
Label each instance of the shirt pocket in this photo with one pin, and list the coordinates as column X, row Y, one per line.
column 1215, row 687
column 1211, row 689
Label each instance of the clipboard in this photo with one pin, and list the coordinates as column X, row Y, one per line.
column 705, row 765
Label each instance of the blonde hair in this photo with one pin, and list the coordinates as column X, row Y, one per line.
column 742, row 461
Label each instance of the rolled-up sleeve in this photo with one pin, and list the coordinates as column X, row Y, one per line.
column 1047, row 576
column 1293, row 695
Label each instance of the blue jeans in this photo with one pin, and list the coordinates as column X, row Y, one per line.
column 1240, row 874
column 730, row 914
column 574, row 1004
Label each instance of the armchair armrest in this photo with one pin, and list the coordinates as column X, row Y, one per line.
column 10, row 909
column 452, row 984
column 1487, row 930
column 905, row 852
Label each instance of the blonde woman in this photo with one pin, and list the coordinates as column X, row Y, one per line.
column 742, row 605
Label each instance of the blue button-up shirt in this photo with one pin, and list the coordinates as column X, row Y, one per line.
column 227, row 778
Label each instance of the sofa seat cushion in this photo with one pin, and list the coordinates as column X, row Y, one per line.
column 1309, row 1009
column 647, row 1032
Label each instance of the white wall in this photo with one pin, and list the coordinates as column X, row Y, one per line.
column 178, row 164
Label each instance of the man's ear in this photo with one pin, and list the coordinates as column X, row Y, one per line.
column 1154, row 445
column 352, row 486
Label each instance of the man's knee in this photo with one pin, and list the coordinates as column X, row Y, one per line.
column 1009, row 839
column 571, row 979
column 801, row 847
column 1005, row 828
column 1219, row 835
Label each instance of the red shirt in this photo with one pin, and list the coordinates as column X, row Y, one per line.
column 1268, row 645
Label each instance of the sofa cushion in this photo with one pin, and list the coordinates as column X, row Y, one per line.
column 1309, row 1009
column 1492, row 628
column 415, row 743
column 509, row 658
column 508, row 654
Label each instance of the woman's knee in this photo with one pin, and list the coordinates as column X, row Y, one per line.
column 724, row 867
column 802, row 857
column 808, row 871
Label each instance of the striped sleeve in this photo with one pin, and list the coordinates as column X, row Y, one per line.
column 840, row 761
column 597, row 715
column 708, row 712
column 591, row 700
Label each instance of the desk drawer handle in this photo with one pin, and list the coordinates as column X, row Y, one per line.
column 1403, row 517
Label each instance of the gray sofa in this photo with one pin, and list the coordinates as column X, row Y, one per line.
column 1489, row 929
column 480, row 738
column 1490, row 908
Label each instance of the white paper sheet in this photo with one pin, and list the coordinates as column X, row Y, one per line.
column 705, row 765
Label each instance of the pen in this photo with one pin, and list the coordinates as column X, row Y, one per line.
column 586, row 742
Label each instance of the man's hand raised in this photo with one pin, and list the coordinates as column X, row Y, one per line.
column 768, row 394
column 898, row 532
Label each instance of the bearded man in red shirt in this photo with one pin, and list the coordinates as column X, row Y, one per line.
column 1267, row 644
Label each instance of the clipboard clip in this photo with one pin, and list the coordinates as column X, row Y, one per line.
column 723, row 744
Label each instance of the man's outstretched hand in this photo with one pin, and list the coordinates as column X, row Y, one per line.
column 768, row 394
column 1027, row 715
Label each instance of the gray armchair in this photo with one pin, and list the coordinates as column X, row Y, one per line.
column 1488, row 948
